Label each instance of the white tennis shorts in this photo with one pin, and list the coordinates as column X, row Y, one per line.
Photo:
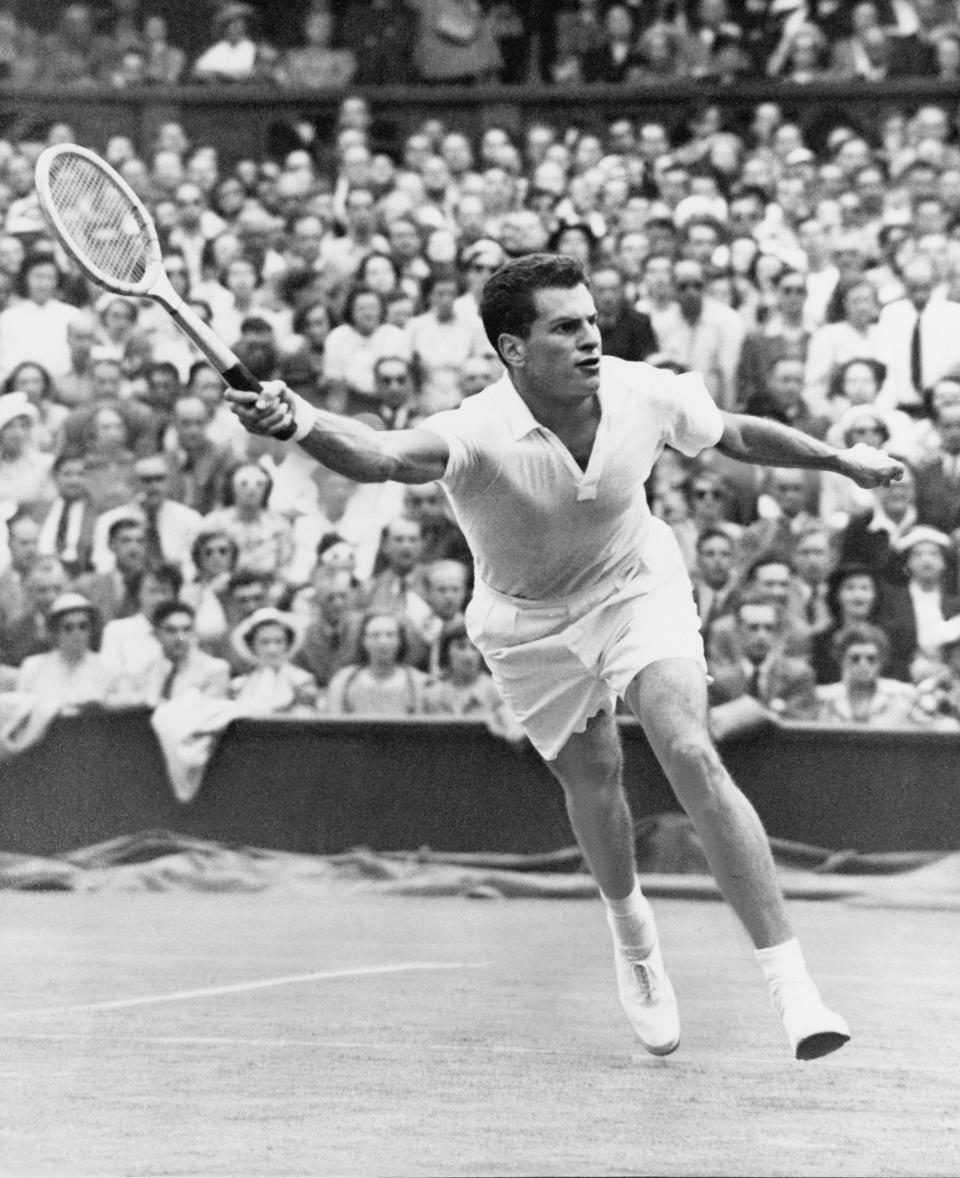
column 556, row 664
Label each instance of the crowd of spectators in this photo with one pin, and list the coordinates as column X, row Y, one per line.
column 152, row 548
column 124, row 43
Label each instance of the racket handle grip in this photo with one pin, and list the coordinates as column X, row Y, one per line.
column 239, row 376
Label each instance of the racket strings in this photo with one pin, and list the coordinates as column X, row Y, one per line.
column 99, row 219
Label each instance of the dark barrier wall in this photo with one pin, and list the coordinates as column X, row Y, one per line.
column 257, row 120
column 325, row 786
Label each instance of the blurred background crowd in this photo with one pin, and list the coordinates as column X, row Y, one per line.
column 152, row 549
column 383, row 42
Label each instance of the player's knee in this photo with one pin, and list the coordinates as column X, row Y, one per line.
column 694, row 759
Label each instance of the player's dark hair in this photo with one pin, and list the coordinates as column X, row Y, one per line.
column 508, row 306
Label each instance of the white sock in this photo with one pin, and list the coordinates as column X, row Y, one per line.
column 631, row 920
column 783, row 963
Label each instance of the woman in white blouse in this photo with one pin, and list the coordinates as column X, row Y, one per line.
column 72, row 676
column 353, row 348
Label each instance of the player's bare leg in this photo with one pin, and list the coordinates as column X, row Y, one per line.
column 590, row 769
column 670, row 699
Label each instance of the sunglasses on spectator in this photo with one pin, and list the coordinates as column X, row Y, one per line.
column 708, row 493
column 689, row 284
column 67, row 627
column 790, row 288
column 869, row 659
column 216, row 549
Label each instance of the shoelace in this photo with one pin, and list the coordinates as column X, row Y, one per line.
column 643, row 975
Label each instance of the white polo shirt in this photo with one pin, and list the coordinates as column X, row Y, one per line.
column 540, row 528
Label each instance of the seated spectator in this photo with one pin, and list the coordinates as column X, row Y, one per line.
column 862, row 697
column 234, row 56
column 625, row 332
column 315, row 64
column 922, row 615
column 783, row 334
column 700, row 333
column 179, row 667
column 24, row 468
column 853, row 598
column 71, row 674
column 199, row 468
column 246, row 592
column 938, row 475
column 579, row 31
column 938, row 686
column 445, row 586
column 332, row 636
column 23, row 548
column 787, row 517
column 352, row 349
column 382, row 35
column 840, row 498
column 67, row 528
column 214, row 558
column 37, row 324
column 714, row 583
column 441, row 342
column 30, row 632
column 270, row 640
column 264, row 538
column 169, row 526
column 456, row 45
column 617, row 57
column 871, row 537
column 163, row 63
column 782, row 399
column 34, row 381
column 770, row 575
column 75, row 53
column 761, row 682
column 856, row 336
column 462, row 687
column 396, row 586
column 394, row 399
column 130, row 643
column 116, row 591
column 382, row 683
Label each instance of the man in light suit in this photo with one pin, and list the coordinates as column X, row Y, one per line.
column 920, row 340
column 179, row 666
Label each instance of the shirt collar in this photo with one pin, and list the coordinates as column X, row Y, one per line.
column 519, row 418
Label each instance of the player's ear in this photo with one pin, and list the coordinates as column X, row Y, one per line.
column 513, row 349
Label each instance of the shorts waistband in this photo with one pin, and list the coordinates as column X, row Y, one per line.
column 573, row 605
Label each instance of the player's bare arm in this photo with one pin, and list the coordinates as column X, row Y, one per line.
column 343, row 444
column 768, row 443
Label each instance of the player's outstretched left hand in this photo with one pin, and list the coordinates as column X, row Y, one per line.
column 869, row 467
column 268, row 412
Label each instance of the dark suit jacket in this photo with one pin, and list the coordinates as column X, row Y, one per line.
column 203, row 486
column 899, row 622
column 101, row 590
column 24, row 636
column 630, row 336
column 321, row 657
column 938, row 497
column 598, row 65
column 84, row 542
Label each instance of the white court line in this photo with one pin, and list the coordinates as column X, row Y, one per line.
column 242, row 987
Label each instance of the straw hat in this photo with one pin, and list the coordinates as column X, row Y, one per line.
column 14, row 405
column 243, row 634
column 68, row 603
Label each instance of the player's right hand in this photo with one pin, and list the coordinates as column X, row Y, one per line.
column 269, row 412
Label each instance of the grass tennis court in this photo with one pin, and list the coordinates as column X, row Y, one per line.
column 356, row 1034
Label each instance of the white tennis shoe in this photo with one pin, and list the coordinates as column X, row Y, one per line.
column 648, row 999
column 812, row 1027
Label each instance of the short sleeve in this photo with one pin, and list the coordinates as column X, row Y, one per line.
column 695, row 422
column 449, row 425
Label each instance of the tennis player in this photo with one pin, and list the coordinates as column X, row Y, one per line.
column 582, row 597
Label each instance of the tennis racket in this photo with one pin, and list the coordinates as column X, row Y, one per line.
column 106, row 229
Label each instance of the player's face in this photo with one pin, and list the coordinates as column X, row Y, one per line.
column 560, row 358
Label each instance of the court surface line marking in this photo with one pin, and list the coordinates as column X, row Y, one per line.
column 244, row 987
column 700, row 1063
